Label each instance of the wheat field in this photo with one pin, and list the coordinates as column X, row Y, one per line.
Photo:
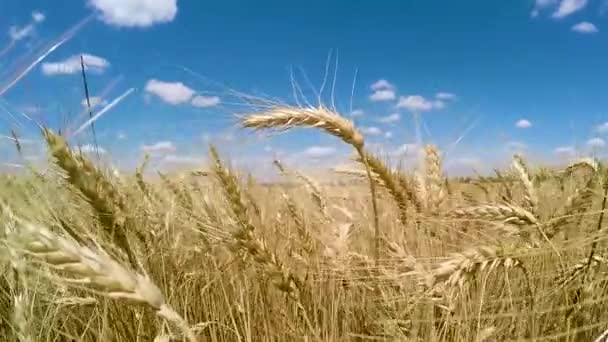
column 386, row 255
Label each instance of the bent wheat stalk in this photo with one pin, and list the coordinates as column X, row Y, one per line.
column 285, row 117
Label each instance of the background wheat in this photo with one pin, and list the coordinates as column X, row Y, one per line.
column 213, row 255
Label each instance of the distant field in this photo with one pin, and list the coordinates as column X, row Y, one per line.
column 217, row 256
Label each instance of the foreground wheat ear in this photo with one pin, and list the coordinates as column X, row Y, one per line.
column 103, row 196
column 83, row 266
column 286, row 117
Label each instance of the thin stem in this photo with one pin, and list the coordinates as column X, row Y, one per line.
column 372, row 188
column 599, row 222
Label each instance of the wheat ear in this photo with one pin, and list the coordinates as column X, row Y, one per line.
column 434, row 177
column 387, row 179
column 505, row 213
column 245, row 237
column 98, row 190
column 461, row 267
column 530, row 196
column 84, row 266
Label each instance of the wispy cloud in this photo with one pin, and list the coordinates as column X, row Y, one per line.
column 567, row 7
column 565, row 151
column 417, row 103
column 394, row 117
column 95, row 102
column 17, row 33
column 406, row 150
column 602, row 128
column 445, row 96
column 382, row 91
column 319, row 151
column 38, row 16
column 523, row 123
column 596, row 143
column 160, row 147
column 205, row 101
column 71, row 65
column 540, row 5
column 176, row 159
column 135, row 13
column 585, row 27
column 357, row 112
column 516, row 147
column 371, row 130
column 388, row 135
column 170, row 92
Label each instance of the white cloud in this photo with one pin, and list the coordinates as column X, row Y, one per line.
column 602, row 128
column 159, row 147
column 415, row 103
column 585, row 27
column 445, row 96
column 390, row 118
column 523, row 123
column 371, row 130
column 95, row 101
column 382, row 84
column 383, row 95
column 319, row 151
column 171, row 92
column 205, row 101
column 357, row 112
column 71, row 65
column 388, row 135
column 135, row 13
column 567, row 7
column 38, row 16
column 565, row 151
column 121, row 136
column 596, row 143
column 90, row 149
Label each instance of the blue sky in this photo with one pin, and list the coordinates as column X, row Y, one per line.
column 487, row 78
